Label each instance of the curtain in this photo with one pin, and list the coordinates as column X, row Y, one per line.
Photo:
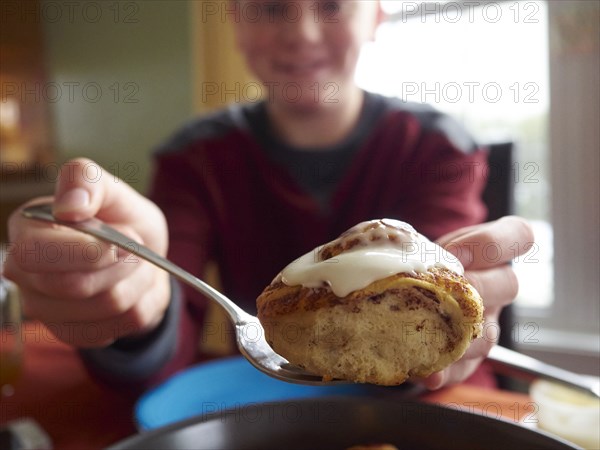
column 220, row 75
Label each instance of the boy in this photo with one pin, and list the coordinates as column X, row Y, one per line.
column 255, row 186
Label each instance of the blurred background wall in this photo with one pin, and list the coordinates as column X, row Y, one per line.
column 130, row 73
column 105, row 80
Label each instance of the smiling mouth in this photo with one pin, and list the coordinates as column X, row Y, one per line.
column 301, row 69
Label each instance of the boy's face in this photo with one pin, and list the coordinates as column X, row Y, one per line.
column 305, row 51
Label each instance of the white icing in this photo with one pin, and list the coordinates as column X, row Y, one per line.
column 391, row 247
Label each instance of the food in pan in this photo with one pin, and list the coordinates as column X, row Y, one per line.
column 379, row 304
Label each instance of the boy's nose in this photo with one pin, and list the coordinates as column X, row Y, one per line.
column 303, row 29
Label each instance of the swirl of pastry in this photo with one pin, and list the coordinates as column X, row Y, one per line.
column 379, row 304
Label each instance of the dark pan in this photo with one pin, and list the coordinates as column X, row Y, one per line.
column 341, row 422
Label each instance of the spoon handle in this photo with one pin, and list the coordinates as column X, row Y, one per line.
column 106, row 233
column 522, row 366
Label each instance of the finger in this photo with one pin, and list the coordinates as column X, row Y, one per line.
column 145, row 315
column 40, row 247
column 490, row 244
column 84, row 190
column 454, row 235
column 101, row 305
column 84, row 285
column 434, row 381
column 456, row 373
column 498, row 286
column 481, row 346
column 68, row 285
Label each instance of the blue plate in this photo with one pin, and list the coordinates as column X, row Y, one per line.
column 225, row 384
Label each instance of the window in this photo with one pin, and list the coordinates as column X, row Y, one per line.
column 487, row 63
column 487, row 66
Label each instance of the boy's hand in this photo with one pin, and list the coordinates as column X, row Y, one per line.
column 87, row 292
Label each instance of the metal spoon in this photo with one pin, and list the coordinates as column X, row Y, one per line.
column 517, row 365
column 250, row 334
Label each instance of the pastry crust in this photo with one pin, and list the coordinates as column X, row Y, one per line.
column 404, row 325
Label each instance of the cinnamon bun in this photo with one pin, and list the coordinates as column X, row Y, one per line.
column 379, row 304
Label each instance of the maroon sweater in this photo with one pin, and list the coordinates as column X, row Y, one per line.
column 233, row 194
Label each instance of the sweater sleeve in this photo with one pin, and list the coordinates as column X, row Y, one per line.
column 138, row 362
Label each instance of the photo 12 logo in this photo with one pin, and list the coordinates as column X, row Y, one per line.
column 271, row 11
column 469, row 92
column 470, row 11
column 118, row 172
column 69, row 92
column 70, row 12
column 252, row 92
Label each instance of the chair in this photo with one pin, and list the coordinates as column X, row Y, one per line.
column 498, row 196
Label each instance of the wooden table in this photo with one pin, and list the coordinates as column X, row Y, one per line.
column 77, row 413
column 56, row 391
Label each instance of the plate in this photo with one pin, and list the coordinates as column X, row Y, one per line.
column 334, row 423
column 232, row 383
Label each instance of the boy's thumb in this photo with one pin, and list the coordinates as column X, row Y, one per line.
column 74, row 193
